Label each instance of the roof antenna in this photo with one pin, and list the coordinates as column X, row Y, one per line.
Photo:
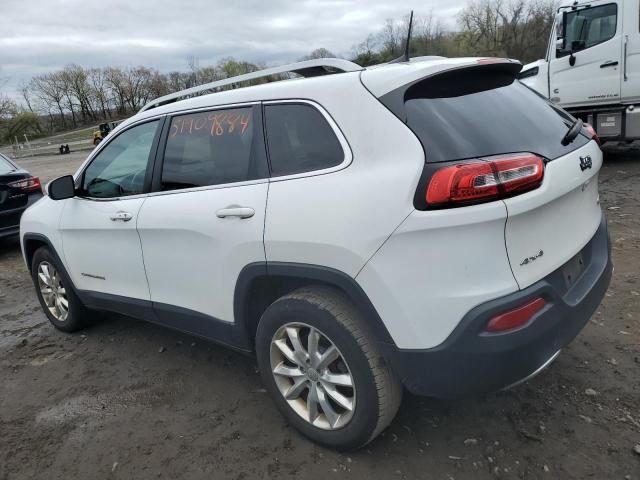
column 405, row 56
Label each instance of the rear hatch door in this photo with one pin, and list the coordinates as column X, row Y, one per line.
column 478, row 109
column 548, row 226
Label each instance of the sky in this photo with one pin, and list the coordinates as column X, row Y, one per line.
column 38, row 36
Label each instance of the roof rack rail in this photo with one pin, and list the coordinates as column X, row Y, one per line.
column 307, row 68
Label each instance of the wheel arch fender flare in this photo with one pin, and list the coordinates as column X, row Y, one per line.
column 259, row 284
column 31, row 242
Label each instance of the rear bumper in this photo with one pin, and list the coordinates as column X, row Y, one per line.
column 473, row 361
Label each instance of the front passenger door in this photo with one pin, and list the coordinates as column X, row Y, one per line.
column 98, row 226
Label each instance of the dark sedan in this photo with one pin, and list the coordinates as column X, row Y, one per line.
column 18, row 190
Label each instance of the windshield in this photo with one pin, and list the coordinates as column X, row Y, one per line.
column 468, row 114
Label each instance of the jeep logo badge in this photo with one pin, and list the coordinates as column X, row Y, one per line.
column 585, row 162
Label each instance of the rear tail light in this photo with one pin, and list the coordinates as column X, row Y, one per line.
column 485, row 180
column 591, row 132
column 31, row 184
column 515, row 318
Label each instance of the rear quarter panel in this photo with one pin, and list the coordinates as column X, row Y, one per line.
column 339, row 219
column 437, row 266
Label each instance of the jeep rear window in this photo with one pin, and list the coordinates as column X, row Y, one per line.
column 469, row 114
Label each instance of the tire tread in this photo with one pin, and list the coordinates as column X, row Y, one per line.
column 387, row 383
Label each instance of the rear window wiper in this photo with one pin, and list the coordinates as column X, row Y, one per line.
column 573, row 132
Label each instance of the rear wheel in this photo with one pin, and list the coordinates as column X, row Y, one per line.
column 322, row 367
column 60, row 303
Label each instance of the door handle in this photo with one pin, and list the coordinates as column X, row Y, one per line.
column 121, row 216
column 232, row 211
column 611, row 63
column 624, row 55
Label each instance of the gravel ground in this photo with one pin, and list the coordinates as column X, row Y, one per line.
column 125, row 399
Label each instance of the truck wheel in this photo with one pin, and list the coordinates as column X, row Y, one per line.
column 60, row 303
column 321, row 365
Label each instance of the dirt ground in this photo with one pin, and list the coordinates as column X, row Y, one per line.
column 125, row 399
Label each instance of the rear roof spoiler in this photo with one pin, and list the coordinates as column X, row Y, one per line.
column 460, row 79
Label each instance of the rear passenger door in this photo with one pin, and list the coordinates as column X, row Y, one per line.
column 204, row 220
column 310, row 211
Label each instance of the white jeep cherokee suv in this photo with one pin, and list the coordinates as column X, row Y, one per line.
column 432, row 224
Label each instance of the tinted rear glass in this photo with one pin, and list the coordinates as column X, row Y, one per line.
column 466, row 114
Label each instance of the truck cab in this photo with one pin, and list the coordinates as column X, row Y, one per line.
column 592, row 66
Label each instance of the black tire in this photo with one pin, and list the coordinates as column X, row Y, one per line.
column 78, row 315
column 378, row 390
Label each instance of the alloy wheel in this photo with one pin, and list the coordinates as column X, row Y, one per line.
column 53, row 291
column 313, row 376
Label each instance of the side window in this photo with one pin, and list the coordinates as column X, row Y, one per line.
column 300, row 139
column 588, row 27
column 212, row 148
column 120, row 168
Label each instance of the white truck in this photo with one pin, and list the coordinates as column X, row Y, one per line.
column 592, row 66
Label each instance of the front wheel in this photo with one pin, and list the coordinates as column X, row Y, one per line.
column 320, row 363
column 60, row 303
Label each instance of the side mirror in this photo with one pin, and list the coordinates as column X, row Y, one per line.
column 62, row 188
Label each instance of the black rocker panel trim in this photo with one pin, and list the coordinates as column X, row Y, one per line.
column 176, row 318
column 273, row 277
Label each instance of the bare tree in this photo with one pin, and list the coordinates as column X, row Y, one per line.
column 208, row 74
column 7, row 106
column 178, row 81
column 99, row 92
column 27, row 95
column 391, row 37
column 79, row 88
column 508, row 28
column 117, row 83
column 318, row 53
column 428, row 35
column 64, row 77
column 51, row 91
column 157, row 86
column 366, row 52
column 136, row 86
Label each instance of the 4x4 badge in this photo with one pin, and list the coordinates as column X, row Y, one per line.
column 585, row 162
column 528, row 260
